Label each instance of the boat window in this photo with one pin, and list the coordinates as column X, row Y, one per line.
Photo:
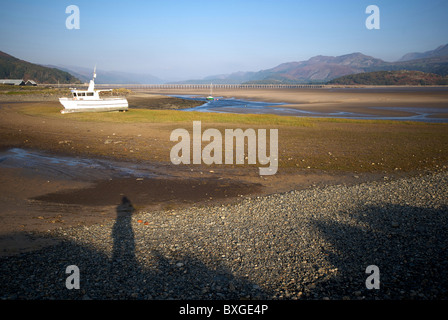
column 82, row 94
column 74, row 94
column 90, row 94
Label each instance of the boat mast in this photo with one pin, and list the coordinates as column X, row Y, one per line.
column 92, row 82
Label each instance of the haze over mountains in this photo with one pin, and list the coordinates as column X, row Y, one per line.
column 318, row 69
column 110, row 77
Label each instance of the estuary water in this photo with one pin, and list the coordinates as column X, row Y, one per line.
column 240, row 106
column 76, row 168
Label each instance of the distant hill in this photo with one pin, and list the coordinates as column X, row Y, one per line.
column 436, row 64
column 320, row 68
column 13, row 68
column 440, row 51
column 402, row 77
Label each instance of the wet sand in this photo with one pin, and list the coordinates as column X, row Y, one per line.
column 36, row 200
column 373, row 101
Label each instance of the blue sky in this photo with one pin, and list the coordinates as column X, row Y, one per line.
column 177, row 40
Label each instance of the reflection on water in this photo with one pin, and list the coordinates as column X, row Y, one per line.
column 226, row 105
column 71, row 167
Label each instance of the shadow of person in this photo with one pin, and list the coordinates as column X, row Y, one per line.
column 152, row 271
column 123, row 252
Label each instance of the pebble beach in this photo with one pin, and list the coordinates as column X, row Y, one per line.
column 312, row 244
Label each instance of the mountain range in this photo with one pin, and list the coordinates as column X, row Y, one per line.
column 321, row 69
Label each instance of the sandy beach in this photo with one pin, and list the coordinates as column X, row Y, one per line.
column 376, row 101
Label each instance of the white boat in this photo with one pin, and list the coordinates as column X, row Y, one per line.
column 90, row 101
column 210, row 97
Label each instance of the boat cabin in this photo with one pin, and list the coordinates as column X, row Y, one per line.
column 86, row 95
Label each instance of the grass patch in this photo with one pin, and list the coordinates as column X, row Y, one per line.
column 177, row 116
column 167, row 116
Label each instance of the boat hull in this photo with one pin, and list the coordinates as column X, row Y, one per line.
column 113, row 104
